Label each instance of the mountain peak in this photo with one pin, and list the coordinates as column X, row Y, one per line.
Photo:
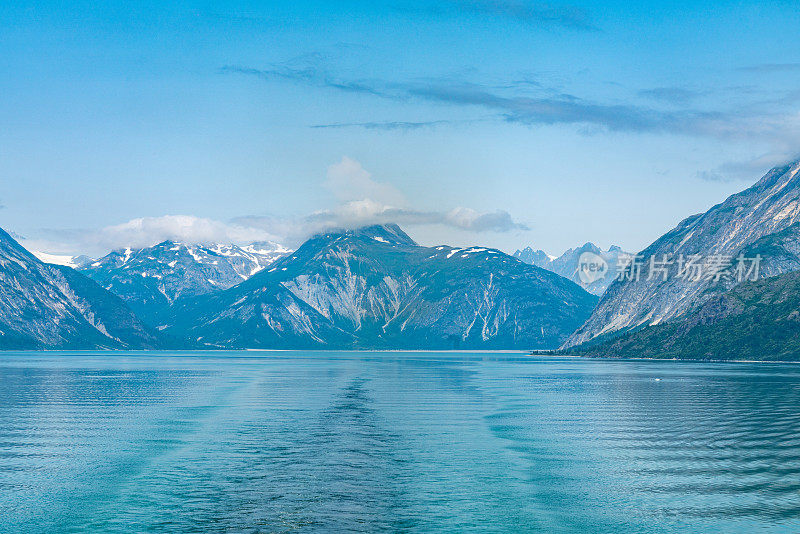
column 371, row 287
column 728, row 229
column 566, row 265
column 51, row 306
column 780, row 174
column 150, row 279
column 589, row 247
column 387, row 233
column 10, row 247
column 538, row 257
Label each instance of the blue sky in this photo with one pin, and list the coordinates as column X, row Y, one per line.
column 497, row 122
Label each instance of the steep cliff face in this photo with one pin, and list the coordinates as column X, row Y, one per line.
column 48, row 307
column 375, row 287
column 747, row 223
column 152, row 278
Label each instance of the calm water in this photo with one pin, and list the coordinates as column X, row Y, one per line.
column 371, row 442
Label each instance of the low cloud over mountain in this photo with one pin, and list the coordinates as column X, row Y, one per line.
column 357, row 198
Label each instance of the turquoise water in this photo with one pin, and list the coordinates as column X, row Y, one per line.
column 386, row 442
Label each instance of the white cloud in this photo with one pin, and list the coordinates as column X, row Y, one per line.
column 349, row 181
column 365, row 212
column 361, row 212
column 361, row 201
column 469, row 219
column 366, row 201
column 148, row 231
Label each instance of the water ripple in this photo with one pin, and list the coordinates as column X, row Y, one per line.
column 383, row 442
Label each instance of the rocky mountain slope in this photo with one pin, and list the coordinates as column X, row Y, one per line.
column 376, row 288
column 151, row 279
column 46, row 306
column 753, row 321
column 761, row 218
column 567, row 264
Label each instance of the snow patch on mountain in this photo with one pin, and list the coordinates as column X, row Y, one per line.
column 74, row 262
column 350, row 289
column 567, row 264
column 152, row 278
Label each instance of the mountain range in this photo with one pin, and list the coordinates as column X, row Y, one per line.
column 372, row 287
column 45, row 306
column 759, row 225
column 376, row 288
column 687, row 295
column 567, row 265
column 151, row 279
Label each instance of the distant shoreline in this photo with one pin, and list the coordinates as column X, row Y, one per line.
column 202, row 351
column 553, row 354
column 695, row 360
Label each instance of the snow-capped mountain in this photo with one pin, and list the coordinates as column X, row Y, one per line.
column 45, row 306
column 75, row 262
column 760, row 221
column 152, row 278
column 376, row 288
column 567, row 264
column 539, row 258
